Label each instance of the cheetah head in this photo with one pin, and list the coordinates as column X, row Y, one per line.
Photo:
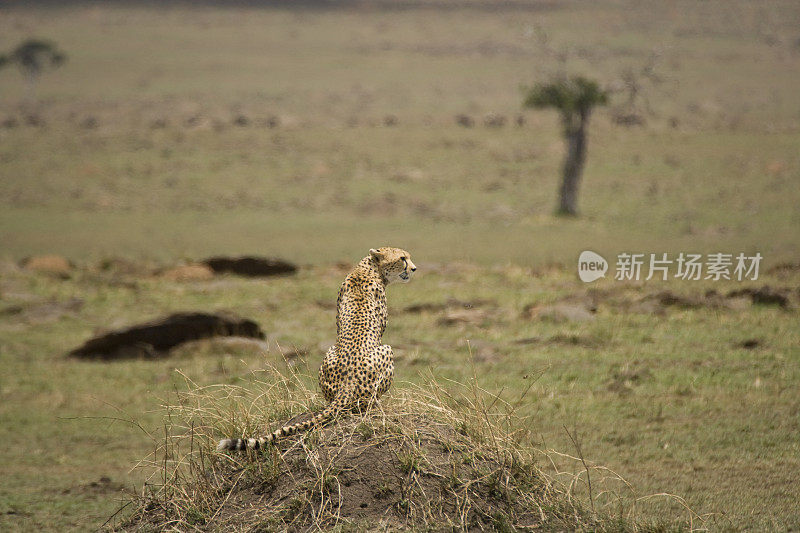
column 394, row 264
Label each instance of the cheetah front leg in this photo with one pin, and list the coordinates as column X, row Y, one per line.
column 329, row 375
column 382, row 359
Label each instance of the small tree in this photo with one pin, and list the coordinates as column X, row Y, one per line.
column 574, row 98
column 33, row 57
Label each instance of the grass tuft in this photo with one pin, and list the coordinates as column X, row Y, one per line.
column 407, row 462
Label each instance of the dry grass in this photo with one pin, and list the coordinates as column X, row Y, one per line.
column 422, row 458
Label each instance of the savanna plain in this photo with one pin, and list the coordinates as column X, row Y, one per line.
column 176, row 132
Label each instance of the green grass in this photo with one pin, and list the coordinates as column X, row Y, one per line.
column 670, row 402
column 698, row 417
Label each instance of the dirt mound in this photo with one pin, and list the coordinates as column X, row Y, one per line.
column 412, row 463
column 367, row 473
column 192, row 272
column 48, row 264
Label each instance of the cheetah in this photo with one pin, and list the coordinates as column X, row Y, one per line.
column 358, row 369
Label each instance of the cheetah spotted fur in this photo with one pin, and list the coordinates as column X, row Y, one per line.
column 358, row 369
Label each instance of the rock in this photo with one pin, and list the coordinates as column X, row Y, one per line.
column 153, row 339
column 192, row 272
column 250, row 266
column 49, row 264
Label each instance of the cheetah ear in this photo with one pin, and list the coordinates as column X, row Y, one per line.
column 375, row 253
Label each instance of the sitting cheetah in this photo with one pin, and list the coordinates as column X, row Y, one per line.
column 358, row 369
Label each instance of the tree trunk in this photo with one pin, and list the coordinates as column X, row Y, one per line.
column 575, row 135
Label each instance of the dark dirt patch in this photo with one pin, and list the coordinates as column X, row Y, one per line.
column 154, row 339
column 630, row 300
column 765, row 295
column 670, row 299
column 749, row 344
column 581, row 307
column 659, row 302
column 251, row 266
column 465, row 121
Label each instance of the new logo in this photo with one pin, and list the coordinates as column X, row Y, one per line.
column 591, row 266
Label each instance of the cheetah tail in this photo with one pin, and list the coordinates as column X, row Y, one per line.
column 258, row 443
